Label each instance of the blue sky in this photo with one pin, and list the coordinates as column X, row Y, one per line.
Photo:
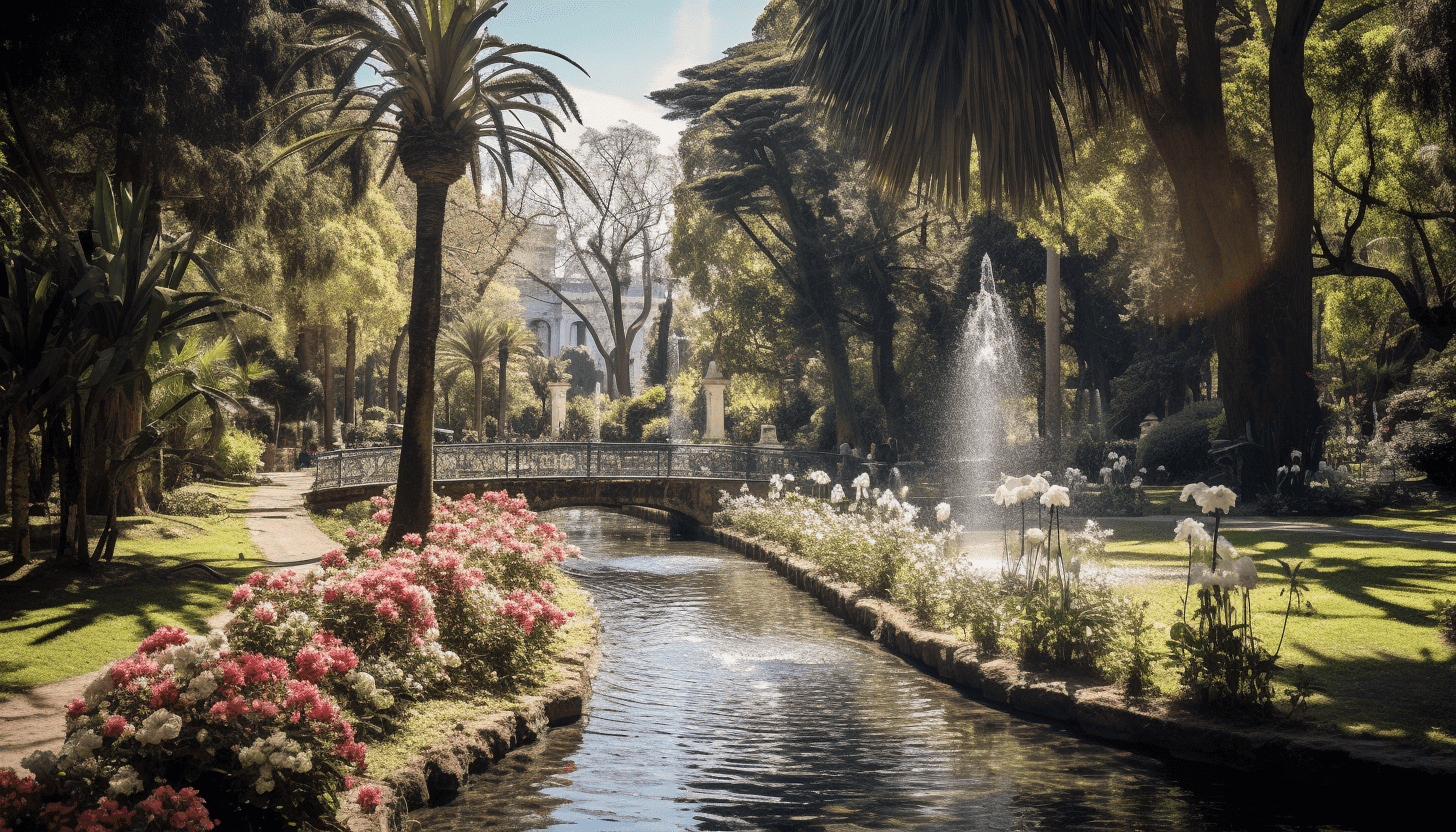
column 629, row 47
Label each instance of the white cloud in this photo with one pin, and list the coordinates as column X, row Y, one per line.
column 692, row 42
column 601, row 110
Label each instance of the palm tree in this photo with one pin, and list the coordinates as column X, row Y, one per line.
column 453, row 93
column 471, row 344
column 512, row 337
column 924, row 86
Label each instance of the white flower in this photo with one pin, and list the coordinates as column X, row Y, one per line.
column 1039, row 484
column 837, row 495
column 788, row 477
column 904, row 492
column 942, row 512
column 1004, row 497
column 1296, row 455
column 80, row 746
column 159, row 726
column 124, row 781
column 1200, row 575
column 861, row 482
column 1024, row 479
column 1137, row 482
column 451, row 658
column 1162, row 468
column 1105, row 473
column 1225, row 549
column 201, row 687
column 1282, row 470
column 1142, row 470
column 1025, row 492
column 1294, row 469
column 1035, row 536
column 743, row 488
column 1217, row 498
column 1192, row 489
column 1248, row 574
column 1189, row 530
column 1056, row 495
column 1112, row 455
column 40, row 762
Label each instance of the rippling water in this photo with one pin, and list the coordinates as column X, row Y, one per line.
column 728, row 700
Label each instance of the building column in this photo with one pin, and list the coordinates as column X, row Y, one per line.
column 714, row 386
column 558, row 407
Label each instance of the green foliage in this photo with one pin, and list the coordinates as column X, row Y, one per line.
column 375, row 413
column 580, row 412
column 1421, row 421
column 1446, row 618
column 640, row 410
column 657, row 430
column 190, row 501
column 239, row 454
column 1180, row 442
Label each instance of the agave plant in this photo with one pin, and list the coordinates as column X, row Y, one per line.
column 452, row 93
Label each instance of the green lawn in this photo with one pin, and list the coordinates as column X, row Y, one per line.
column 57, row 622
column 1371, row 645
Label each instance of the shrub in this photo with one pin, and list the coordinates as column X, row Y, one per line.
column 1181, row 442
column 579, row 415
column 657, row 430
column 190, row 501
column 375, row 413
column 638, row 411
column 239, row 454
column 528, row 422
column 1446, row 619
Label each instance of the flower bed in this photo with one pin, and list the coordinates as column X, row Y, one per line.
column 1038, row 607
column 263, row 722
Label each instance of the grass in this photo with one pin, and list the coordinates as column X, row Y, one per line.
column 1371, row 644
column 57, row 622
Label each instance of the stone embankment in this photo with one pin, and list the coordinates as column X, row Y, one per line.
column 1101, row 710
column 473, row 746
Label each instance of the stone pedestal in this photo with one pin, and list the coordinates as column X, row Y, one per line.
column 558, row 408
column 768, row 437
column 714, row 387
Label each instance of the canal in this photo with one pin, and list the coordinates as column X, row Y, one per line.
column 728, row 700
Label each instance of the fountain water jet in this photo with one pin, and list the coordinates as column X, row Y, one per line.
column 988, row 386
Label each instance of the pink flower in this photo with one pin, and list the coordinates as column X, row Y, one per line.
column 242, row 595
column 115, row 726
column 129, row 668
column 76, row 709
column 381, row 516
column 161, row 639
column 369, row 798
column 334, row 559
column 412, row 540
column 351, row 533
column 265, row 613
column 311, row 664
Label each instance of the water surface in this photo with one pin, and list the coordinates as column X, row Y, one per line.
column 728, row 700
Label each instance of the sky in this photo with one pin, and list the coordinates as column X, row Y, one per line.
column 628, row 47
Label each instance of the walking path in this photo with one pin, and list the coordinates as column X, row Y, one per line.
column 285, row 536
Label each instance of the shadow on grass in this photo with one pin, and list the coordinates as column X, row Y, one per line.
column 1386, row 695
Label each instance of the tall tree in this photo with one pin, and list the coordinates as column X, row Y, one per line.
column 615, row 245
column 454, row 93
column 923, row 117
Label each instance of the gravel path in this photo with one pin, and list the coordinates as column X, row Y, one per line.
column 286, row 537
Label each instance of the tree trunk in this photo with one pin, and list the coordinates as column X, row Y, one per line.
column 17, row 452
column 350, row 365
column 326, row 415
column 1053, row 401
column 479, row 371
column 119, row 421
column 368, row 394
column 1260, row 309
column 500, row 393
column 392, row 394
column 413, row 501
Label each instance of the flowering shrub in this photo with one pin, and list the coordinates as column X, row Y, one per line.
column 259, row 722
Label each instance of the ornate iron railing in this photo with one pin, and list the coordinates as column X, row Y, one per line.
column 574, row 460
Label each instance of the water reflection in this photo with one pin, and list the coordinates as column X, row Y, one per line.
column 728, row 700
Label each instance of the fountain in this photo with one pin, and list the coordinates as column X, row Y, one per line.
column 984, row 405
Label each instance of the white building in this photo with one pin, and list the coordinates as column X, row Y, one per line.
column 555, row 324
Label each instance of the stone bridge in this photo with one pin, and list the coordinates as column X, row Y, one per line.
column 684, row 480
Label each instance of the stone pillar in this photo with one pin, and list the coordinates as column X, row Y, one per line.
column 714, row 386
column 768, row 437
column 558, row 407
